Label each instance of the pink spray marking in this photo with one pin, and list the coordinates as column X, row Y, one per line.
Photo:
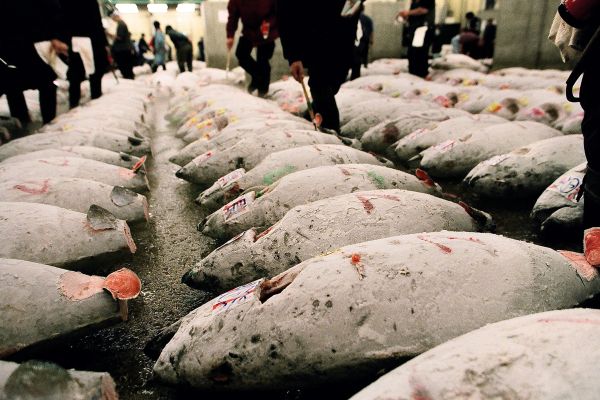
column 345, row 171
column 64, row 163
column 587, row 321
column 444, row 249
column 37, row 188
column 367, row 205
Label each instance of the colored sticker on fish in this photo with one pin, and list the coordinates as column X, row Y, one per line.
column 238, row 206
column 568, row 187
column 492, row 162
column 235, row 297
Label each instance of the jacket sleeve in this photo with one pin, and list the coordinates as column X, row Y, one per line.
column 49, row 21
column 232, row 20
column 289, row 29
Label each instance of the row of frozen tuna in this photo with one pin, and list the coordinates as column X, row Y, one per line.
column 67, row 194
column 338, row 280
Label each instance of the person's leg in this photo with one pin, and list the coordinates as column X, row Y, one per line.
column 243, row 54
column 181, row 59
column 189, row 57
column 264, row 53
column 323, row 89
column 356, row 64
column 75, row 75
column 96, row 84
column 48, row 101
column 74, row 93
column 590, row 126
column 18, row 106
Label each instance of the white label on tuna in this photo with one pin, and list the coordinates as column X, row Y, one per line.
column 238, row 206
column 568, row 186
column 224, row 181
column 444, row 146
column 492, row 162
column 234, row 297
column 202, row 158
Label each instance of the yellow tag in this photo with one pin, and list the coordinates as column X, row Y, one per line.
column 494, row 107
column 568, row 107
column 67, row 128
column 523, row 102
column 463, row 97
column 204, row 124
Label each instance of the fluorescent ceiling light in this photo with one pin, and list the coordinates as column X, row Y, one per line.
column 157, row 8
column 127, row 8
column 186, row 7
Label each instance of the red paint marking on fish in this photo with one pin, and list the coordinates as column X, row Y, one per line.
column 367, row 205
column 469, row 239
column 587, row 321
column 355, row 258
column 42, row 187
column 64, row 163
column 443, row 248
column 345, row 171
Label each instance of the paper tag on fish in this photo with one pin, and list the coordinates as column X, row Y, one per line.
column 568, row 186
column 494, row 107
column 224, row 181
column 233, row 239
column 235, row 297
column 419, row 36
column 238, row 206
column 202, row 158
column 445, row 146
column 492, row 162
column 417, row 133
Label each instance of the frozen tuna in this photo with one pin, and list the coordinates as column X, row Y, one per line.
column 456, row 157
column 41, row 141
column 230, row 136
column 247, row 153
column 326, row 225
column 262, row 209
column 91, row 153
column 43, row 380
column 558, row 206
column 63, row 238
column 279, row 164
column 69, row 167
column 78, row 195
column 508, row 359
column 363, row 307
column 64, row 302
column 380, row 137
column 526, row 171
column 421, row 139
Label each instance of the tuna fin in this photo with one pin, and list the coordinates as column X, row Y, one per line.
column 100, row 219
column 483, row 219
column 134, row 141
column 121, row 196
column 271, row 287
column 138, row 165
column 125, row 156
column 416, row 158
column 155, row 345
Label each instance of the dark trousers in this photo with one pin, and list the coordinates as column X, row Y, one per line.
column 259, row 69
column 184, row 57
column 325, row 82
column 418, row 57
column 76, row 75
column 18, row 106
column 360, row 58
column 124, row 60
column 590, row 101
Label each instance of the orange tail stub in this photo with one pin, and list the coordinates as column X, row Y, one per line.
column 591, row 246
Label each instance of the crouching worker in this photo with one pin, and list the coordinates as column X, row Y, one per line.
column 319, row 35
column 259, row 29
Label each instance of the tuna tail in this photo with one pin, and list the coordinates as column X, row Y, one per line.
column 202, row 224
column 484, row 221
column 427, row 180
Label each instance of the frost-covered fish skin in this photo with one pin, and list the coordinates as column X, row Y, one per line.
column 526, row 171
column 70, row 167
column 261, row 210
column 279, row 164
column 326, row 225
column 88, row 152
column 51, row 235
column 508, row 359
column 78, row 195
column 366, row 306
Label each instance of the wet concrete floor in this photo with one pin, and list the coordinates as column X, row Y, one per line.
column 167, row 246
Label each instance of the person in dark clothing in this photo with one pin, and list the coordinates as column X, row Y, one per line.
column 469, row 43
column 323, row 42
column 421, row 13
column 201, row 55
column 122, row 49
column 82, row 18
column 22, row 68
column 473, row 22
column 364, row 39
column 143, row 48
column 260, row 30
column 183, row 46
column 489, row 39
